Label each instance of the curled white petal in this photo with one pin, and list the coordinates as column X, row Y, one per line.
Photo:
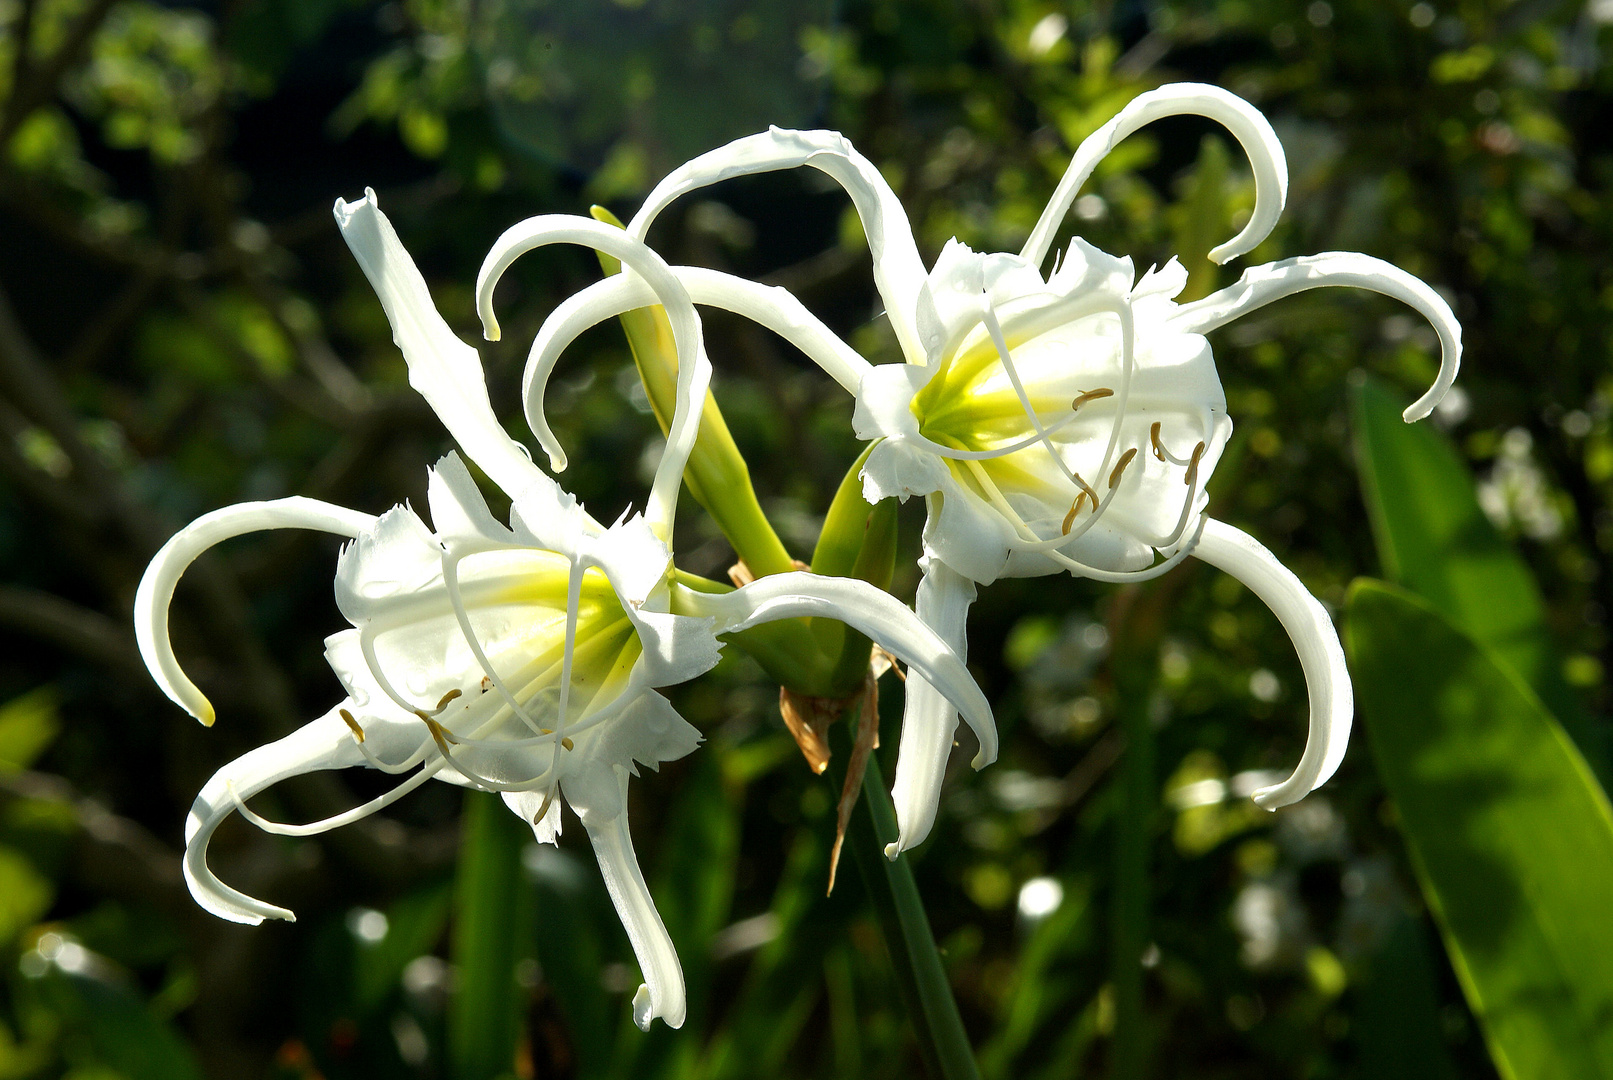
column 1243, row 120
column 898, row 270
column 873, row 612
column 1260, row 285
column 156, row 591
column 770, row 306
column 1327, row 680
column 442, row 368
column 928, row 718
column 326, row 743
column 694, row 369
column 662, row 993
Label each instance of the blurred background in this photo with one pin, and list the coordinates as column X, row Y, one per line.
column 181, row 327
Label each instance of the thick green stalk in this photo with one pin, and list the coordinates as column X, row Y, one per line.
column 1133, row 841
column 919, row 973
column 1137, row 623
column 484, row 1015
column 858, row 540
column 716, row 474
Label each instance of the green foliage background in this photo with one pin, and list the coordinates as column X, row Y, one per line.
column 181, row 327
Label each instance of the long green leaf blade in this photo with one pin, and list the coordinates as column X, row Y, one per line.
column 1433, row 538
column 483, row 1019
column 1510, row 833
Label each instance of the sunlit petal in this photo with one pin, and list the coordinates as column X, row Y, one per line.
column 928, row 718
column 326, row 743
column 445, row 371
column 694, row 370
column 898, row 271
column 1244, row 121
column 1260, row 285
column 873, row 612
column 662, row 992
column 156, row 592
column 1327, row 680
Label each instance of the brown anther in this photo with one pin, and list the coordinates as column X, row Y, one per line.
column 1091, row 395
column 1120, row 467
column 439, row 734
column 565, row 740
column 1193, row 466
column 487, row 683
column 358, row 732
column 1075, row 508
column 543, row 808
column 442, row 703
column 1153, row 438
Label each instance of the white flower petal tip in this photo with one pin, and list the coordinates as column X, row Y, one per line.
column 1260, row 285
column 870, row 611
column 898, row 270
column 325, row 743
column 694, row 368
column 442, row 369
column 1321, row 657
column 155, row 594
column 893, row 849
column 1243, row 120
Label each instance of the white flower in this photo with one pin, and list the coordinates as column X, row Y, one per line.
column 522, row 659
column 1060, row 423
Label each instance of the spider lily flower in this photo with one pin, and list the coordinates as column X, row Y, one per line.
column 524, row 658
column 1060, row 423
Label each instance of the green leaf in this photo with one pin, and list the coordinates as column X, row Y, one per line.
column 483, row 1018
column 107, row 1017
column 25, row 895
column 1509, row 832
column 1397, row 1027
column 28, row 725
column 1434, row 539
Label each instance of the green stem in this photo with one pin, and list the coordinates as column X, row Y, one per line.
column 484, row 1016
column 1133, row 843
column 919, row 973
column 716, row 474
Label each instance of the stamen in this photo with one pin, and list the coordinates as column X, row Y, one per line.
column 1092, row 395
column 358, row 732
column 1193, row 466
column 442, row 703
column 565, row 741
column 543, row 807
column 1159, row 447
column 439, row 734
column 1075, row 508
column 988, row 317
column 1125, row 459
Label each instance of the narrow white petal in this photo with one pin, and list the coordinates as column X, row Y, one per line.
column 898, row 270
column 1260, row 285
column 662, row 993
column 1242, row 119
column 694, row 369
column 772, row 307
column 445, row 371
column 874, row 613
column 928, row 719
column 1327, row 680
column 326, row 743
column 156, row 592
